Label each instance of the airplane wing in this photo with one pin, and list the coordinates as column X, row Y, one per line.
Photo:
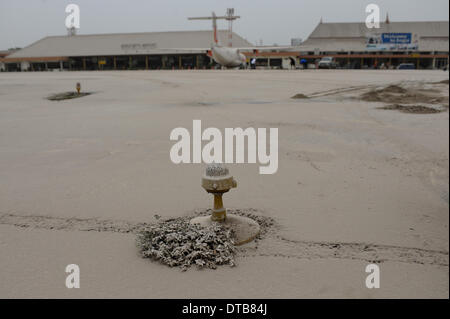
column 262, row 49
column 241, row 49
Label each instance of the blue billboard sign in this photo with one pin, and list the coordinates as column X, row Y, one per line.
column 396, row 38
column 392, row 42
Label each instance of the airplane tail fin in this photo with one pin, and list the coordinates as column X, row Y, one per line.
column 214, row 24
column 214, row 21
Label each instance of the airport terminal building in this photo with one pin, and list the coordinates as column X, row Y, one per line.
column 353, row 45
column 127, row 51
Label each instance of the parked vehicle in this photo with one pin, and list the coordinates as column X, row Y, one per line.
column 406, row 66
column 327, row 62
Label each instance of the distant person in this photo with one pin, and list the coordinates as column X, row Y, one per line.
column 292, row 63
column 304, row 63
column 253, row 64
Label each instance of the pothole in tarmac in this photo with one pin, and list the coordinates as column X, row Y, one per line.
column 67, row 96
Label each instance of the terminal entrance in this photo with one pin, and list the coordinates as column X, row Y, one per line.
column 137, row 62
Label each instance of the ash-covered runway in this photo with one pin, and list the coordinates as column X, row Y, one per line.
column 355, row 184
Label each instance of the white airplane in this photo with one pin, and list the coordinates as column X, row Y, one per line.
column 229, row 57
column 225, row 56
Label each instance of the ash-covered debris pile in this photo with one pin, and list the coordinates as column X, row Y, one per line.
column 67, row 96
column 177, row 243
column 405, row 95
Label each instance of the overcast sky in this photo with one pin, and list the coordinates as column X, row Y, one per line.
column 273, row 21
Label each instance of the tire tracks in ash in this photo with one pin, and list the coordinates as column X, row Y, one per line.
column 279, row 246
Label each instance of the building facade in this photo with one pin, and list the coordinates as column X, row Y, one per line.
column 353, row 45
column 128, row 51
